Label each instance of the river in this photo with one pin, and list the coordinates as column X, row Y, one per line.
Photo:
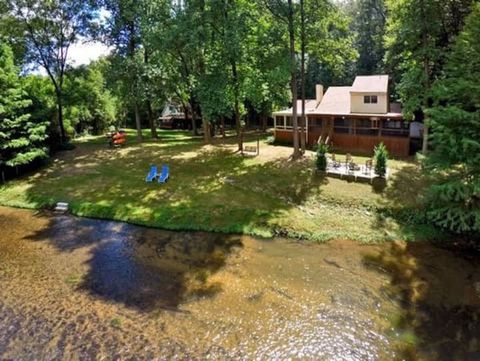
column 80, row 289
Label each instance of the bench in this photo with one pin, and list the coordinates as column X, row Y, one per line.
column 250, row 149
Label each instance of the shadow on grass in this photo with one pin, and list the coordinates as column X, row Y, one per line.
column 439, row 294
column 210, row 188
column 142, row 268
column 402, row 201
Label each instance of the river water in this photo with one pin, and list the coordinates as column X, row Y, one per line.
column 81, row 289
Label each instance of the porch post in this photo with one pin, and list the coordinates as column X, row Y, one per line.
column 306, row 130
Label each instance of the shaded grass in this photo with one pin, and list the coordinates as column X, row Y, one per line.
column 212, row 189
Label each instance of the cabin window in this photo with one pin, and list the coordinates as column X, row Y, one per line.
column 315, row 123
column 289, row 122
column 395, row 128
column 370, row 99
column 342, row 126
column 366, row 126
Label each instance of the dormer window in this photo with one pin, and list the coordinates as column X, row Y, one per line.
column 370, row 99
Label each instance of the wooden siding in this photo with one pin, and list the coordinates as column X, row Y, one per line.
column 359, row 143
column 283, row 136
column 363, row 143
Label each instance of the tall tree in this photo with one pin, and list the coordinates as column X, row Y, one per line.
column 419, row 35
column 368, row 23
column 122, row 30
column 454, row 162
column 49, row 29
column 89, row 105
column 22, row 140
column 286, row 12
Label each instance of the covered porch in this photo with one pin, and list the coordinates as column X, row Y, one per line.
column 351, row 133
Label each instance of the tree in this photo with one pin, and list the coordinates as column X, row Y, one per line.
column 368, row 23
column 419, row 35
column 22, row 140
column 321, row 159
column 286, row 13
column 381, row 158
column 123, row 32
column 454, row 162
column 49, row 29
column 89, row 105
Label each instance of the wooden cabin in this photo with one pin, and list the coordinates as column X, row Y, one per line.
column 352, row 118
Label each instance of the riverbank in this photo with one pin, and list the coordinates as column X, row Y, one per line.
column 214, row 189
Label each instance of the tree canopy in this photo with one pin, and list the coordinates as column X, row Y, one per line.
column 21, row 138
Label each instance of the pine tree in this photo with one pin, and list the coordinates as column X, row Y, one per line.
column 454, row 163
column 381, row 159
column 21, row 140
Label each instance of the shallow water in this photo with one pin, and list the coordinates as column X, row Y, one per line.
column 75, row 288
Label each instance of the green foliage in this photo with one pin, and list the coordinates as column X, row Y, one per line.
column 418, row 38
column 454, row 163
column 48, row 29
column 368, row 23
column 89, row 105
column 381, row 159
column 321, row 159
column 21, row 138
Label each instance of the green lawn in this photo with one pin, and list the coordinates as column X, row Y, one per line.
column 214, row 189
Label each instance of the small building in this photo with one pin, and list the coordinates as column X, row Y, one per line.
column 351, row 118
column 173, row 117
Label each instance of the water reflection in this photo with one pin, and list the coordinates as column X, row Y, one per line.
column 437, row 289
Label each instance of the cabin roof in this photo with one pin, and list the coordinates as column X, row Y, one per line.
column 370, row 84
column 310, row 105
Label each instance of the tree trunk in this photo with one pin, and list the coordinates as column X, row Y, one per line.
column 238, row 124
column 63, row 136
column 194, row 118
column 151, row 119
column 302, row 118
column 222, row 123
column 427, row 79
column 138, row 123
column 206, row 131
column 264, row 122
column 293, row 74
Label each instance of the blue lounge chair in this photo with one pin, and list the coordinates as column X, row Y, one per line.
column 163, row 178
column 152, row 174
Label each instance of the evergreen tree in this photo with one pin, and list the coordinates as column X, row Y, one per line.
column 418, row 38
column 21, row 140
column 381, row 159
column 369, row 24
column 454, row 163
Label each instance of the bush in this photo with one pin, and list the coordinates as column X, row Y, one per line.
column 381, row 158
column 321, row 161
column 270, row 140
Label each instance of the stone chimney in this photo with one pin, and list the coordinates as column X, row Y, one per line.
column 319, row 93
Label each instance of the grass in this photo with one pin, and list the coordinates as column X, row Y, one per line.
column 214, row 189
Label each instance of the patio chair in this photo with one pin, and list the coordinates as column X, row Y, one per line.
column 348, row 158
column 368, row 166
column 163, row 178
column 335, row 163
column 152, row 174
column 352, row 167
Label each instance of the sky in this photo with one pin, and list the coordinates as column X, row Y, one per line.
column 82, row 53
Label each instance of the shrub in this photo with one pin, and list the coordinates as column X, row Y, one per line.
column 321, row 161
column 381, row 158
column 270, row 140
